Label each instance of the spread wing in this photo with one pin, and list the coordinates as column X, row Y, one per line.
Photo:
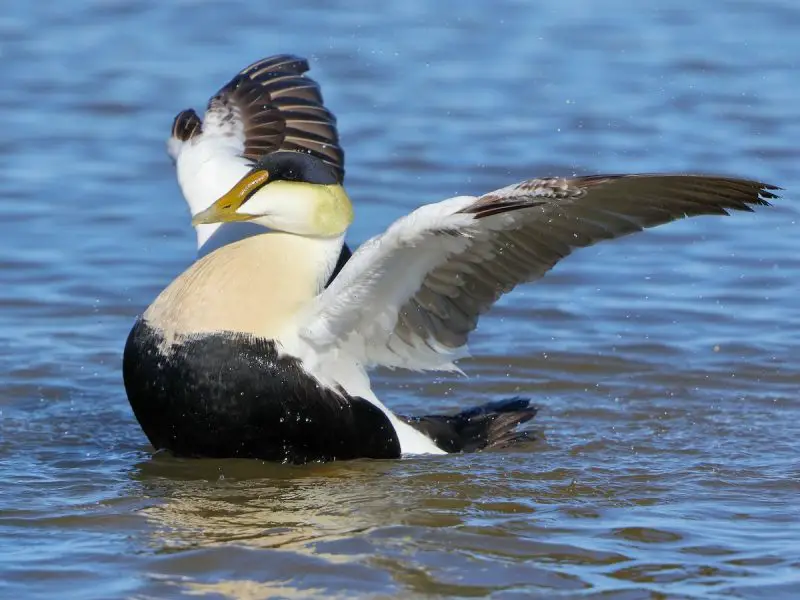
column 271, row 105
column 410, row 297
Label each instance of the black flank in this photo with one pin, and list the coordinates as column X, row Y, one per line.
column 232, row 395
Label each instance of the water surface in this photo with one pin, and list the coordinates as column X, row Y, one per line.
column 665, row 364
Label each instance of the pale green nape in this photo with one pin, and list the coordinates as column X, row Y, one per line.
column 334, row 212
column 302, row 208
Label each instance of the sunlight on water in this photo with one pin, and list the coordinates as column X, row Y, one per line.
column 664, row 364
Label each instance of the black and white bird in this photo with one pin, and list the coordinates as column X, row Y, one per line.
column 248, row 353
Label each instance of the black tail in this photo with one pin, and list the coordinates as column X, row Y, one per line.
column 492, row 425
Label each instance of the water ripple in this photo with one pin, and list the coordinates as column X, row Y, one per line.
column 664, row 458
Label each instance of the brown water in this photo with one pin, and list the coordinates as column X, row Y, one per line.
column 665, row 365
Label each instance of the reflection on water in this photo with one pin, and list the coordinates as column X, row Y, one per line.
column 454, row 525
column 263, row 505
column 664, row 364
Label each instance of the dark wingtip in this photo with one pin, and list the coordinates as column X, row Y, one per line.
column 186, row 125
column 271, row 66
column 768, row 192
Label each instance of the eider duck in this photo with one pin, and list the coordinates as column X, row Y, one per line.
column 248, row 354
column 268, row 106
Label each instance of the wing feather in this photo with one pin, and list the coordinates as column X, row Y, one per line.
column 270, row 105
column 411, row 297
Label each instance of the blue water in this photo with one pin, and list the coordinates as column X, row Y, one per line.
column 664, row 364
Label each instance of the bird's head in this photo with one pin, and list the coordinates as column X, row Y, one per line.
column 286, row 191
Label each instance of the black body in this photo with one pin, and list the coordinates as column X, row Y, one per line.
column 232, row 395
